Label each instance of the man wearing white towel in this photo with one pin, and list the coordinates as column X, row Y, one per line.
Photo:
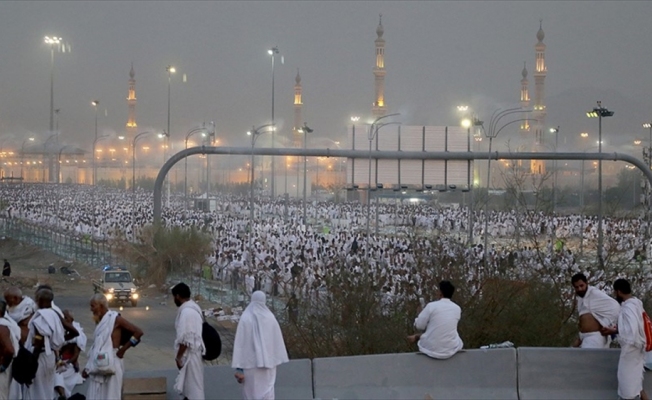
column 631, row 335
column 596, row 309
column 189, row 345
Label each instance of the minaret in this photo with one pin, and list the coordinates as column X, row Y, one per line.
column 131, row 102
column 539, row 111
column 379, row 108
column 298, row 106
column 539, row 78
column 525, row 99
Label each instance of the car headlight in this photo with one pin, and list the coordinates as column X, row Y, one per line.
column 109, row 297
column 134, row 296
column 111, row 290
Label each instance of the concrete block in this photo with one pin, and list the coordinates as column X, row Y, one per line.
column 293, row 381
column 569, row 373
column 471, row 374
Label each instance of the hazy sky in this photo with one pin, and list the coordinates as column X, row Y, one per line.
column 438, row 55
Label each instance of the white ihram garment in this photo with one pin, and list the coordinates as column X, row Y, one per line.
column 14, row 335
column 22, row 310
column 66, row 376
column 25, row 309
column 48, row 324
column 631, row 335
column 439, row 320
column 604, row 309
column 258, row 349
column 103, row 387
column 188, row 325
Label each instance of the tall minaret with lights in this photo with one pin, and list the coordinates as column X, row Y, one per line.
column 539, row 110
column 298, row 108
column 525, row 100
column 379, row 108
column 131, row 102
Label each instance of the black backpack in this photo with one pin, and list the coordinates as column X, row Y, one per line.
column 25, row 366
column 212, row 342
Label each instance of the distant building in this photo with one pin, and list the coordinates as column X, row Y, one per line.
column 131, row 103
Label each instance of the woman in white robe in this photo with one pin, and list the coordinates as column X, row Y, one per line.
column 258, row 349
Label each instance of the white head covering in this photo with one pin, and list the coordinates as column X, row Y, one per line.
column 258, row 339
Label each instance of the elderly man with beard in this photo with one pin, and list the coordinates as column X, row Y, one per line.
column 47, row 333
column 189, row 345
column 631, row 336
column 105, row 366
column 9, row 337
column 596, row 310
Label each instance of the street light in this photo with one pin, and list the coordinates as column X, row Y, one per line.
column 254, row 133
column 185, row 175
column 52, row 42
column 170, row 70
column 373, row 132
column 22, row 156
column 554, row 183
column 273, row 52
column 600, row 112
column 305, row 130
column 354, row 120
column 491, row 134
column 95, row 103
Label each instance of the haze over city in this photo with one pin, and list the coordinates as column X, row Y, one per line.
column 438, row 55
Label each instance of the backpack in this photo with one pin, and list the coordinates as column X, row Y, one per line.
column 25, row 365
column 647, row 326
column 212, row 342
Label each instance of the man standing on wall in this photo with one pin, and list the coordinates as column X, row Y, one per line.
column 596, row 310
column 631, row 335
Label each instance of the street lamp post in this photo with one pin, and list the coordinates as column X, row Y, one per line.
column 254, row 133
column 491, row 134
column 373, row 131
column 56, row 128
column 170, row 70
column 22, row 156
column 95, row 103
column 600, row 112
column 554, row 182
column 133, row 178
column 211, row 139
column 185, row 174
column 273, row 52
column 305, row 130
column 52, row 42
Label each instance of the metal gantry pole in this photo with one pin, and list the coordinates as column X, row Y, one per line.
column 305, row 179
column 600, row 234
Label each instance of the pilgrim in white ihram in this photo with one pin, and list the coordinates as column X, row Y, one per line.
column 258, row 349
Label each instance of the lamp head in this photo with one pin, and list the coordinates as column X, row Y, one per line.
column 95, row 103
column 170, row 69
column 355, row 118
column 466, row 123
column 647, row 125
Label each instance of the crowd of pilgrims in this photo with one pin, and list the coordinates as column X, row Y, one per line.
column 283, row 249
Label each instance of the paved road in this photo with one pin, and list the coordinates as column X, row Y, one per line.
column 156, row 349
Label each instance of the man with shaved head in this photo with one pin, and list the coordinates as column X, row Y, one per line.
column 107, row 351
column 19, row 308
column 47, row 334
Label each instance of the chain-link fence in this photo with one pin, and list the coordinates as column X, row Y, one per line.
column 82, row 248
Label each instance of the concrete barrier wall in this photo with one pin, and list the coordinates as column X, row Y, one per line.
column 471, row 374
column 567, row 373
column 293, row 381
column 524, row 373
